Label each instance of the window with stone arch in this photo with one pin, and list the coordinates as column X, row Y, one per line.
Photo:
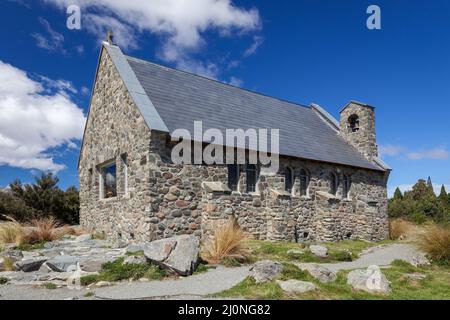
column 251, row 175
column 346, row 186
column 333, row 183
column 288, row 179
column 353, row 123
column 304, row 182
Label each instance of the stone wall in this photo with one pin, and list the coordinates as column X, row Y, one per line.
column 364, row 140
column 165, row 199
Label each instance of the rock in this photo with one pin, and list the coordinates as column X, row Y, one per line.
column 265, row 270
column 295, row 251
column 102, row 284
column 63, row 263
column 94, row 265
column 83, row 237
column 257, row 202
column 135, row 260
column 170, row 197
column 180, row 253
column 14, row 255
column 319, row 251
column 418, row 260
column 174, row 190
column 181, row 203
column 320, row 273
column 296, row 286
column 29, row 265
column 134, row 248
column 371, row 280
column 415, row 276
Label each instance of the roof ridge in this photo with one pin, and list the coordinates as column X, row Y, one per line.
column 220, row 82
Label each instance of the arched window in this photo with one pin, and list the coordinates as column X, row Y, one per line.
column 233, row 176
column 251, row 172
column 333, row 183
column 288, row 179
column 346, row 186
column 353, row 123
column 304, row 182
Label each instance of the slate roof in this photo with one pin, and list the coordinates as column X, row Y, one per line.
column 180, row 98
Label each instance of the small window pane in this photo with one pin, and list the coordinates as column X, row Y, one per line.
column 304, row 182
column 346, row 186
column 251, row 176
column 109, row 174
column 288, row 181
column 333, row 184
column 233, row 177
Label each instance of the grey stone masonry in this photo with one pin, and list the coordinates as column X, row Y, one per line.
column 156, row 198
column 362, row 136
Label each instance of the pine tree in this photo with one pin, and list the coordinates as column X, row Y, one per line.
column 398, row 195
column 430, row 184
column 443, row 197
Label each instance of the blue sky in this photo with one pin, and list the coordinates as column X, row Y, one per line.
column 305, row 51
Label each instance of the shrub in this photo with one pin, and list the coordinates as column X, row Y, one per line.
column 50, row 286
column 226, row 244
column 401, row 228
column 3, row 280
column 11, row 232
column 343, row 256
column 435, row 241
column 45, row 229
column 8, row 264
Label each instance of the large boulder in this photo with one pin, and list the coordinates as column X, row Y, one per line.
column 319, row 272
column 296, row 286
column 180, row 253
column 371, row 280
column 29, row 265
column 319, row 251
column 266, row 270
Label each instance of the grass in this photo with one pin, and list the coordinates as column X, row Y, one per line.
column 401, row 228
column 435, row 242
column 339, row 251
column 31, row 247
column 89, row 294
column 436, row 285
column 37, row 231
column 49, row 286
column 3, row 280
column 116, row 271
column 8, row 264
column 226, row 243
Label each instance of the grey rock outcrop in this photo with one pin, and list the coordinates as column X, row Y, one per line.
column 266, row 270
column 296, row 286
column 371, row 280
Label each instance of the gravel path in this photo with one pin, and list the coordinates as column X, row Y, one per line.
column 202, row 284
column 381, row 256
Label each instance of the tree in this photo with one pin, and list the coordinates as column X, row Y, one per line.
column 430, row 183
column 398, row 195
column 443, row 196
column 47, row 199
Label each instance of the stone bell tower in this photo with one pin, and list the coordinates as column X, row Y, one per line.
column 357, row 126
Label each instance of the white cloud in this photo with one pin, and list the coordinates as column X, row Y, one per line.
column 257, row 41
column 236, row 82
column 179, row 23
column 35, row 116
column 51, row 41
column 390, row 150
column 439, row 153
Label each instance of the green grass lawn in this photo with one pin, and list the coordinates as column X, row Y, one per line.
column 436, row 285
column 337, row 251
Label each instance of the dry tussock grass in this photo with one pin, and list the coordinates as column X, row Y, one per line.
column 435, row 242
column 227, row 242
column 38, row 230
column 404, row 229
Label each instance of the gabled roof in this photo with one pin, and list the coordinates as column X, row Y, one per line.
column 171, row 99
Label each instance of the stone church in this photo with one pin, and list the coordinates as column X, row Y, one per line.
column 330, row 185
